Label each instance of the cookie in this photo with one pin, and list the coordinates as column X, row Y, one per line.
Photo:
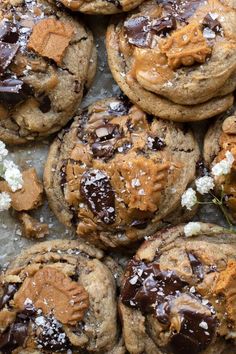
column 47, row 59
column 59, row 296
column 220, row 141
column 105, row 7
column 117, row 175
column 174, row 60
column 178, row 293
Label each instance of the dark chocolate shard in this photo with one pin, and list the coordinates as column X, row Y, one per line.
column 138, row 31
column 116, row 3
column 196, row 333
column 179, row 9
column 9, row 291
column 7, row 54
column 196, row 265
column 155, row 143
column 13, row 91
column 211, row 22
column 8, row 32
column 107, row 131
column 13, row 337
column 164, row 25
column 97, row 192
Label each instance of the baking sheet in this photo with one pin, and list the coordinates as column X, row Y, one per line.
column 12, row 242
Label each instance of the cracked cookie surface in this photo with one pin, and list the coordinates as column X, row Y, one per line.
column 176, row 59
column 47, row 59
column 116, row 174
column 105, row 7
column 59, row 296
column 178, row 293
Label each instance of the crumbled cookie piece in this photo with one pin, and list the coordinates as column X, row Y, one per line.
column 30, row 196
column 50, row 38
column 229, row 125
column 50, row 289
column 226, row 285
column 185, row 47
column 32, row 228
column 6, row 318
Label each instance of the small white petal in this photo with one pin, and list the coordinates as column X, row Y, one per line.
column 192, row 228
column 189, row 198
column 5, row 201
column 204, row 184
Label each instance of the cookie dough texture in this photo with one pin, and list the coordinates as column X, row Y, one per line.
column 220, row 139
column 117, row 175
column 187, row 75
column 105, row 7
column 59, row 296
column 48, row 59
column 178, row 293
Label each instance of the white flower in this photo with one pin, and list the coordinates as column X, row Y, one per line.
column 5, row 201
column 204, row 184
column 189, row 198
column 192, row 228
column 3, row 150
column 12, row 175
column 224, row 166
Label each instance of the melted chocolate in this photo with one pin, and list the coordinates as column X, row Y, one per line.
column 196, row 265
column 13, row 91
column 192, row 337
column 9, row 291
column 102, row 149
column 202, row 170
column 212, row 23
column 96, row 190
column 8, row 32
column 51, row 336
column 116, row 3
column 147, row 286
column 44, row 104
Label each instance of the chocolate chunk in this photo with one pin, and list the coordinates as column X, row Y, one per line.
column 51, row 336
column 138, row 31
column 8, row 32
column 139, row 224
column 96, row 190
column 13, row 91
column 13, row 337
column 155, row 143
column 202, row 169
column 102, row 149
column 164, row 25
column 196, row 333
column 7, row 53
column 45, row 104
column 107, row 131
column 9, row 291
column 119, row 108
column 147, row 287
column 196, row 265
column 212, row 23
column 179, row 9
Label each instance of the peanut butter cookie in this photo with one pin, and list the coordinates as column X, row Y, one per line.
column 178, row 294
column 47, row 58
column 105, row 7
column 220, row 142
column 176, row 59
column 59, row 296
column 117, row 174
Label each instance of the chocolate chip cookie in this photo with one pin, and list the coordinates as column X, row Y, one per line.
column 59, row 296
column 117, row 175
column 178, row 293
column 220, row 141
column 46, row 59
column 176, row 60
column 105, row 7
